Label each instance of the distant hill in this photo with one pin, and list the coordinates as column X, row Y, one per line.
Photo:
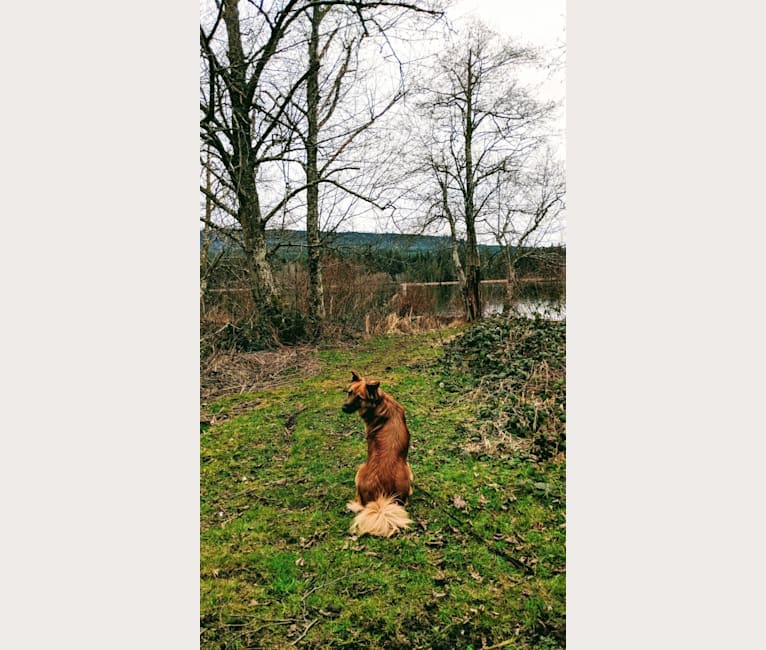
column 296, row 239
column 421, row 258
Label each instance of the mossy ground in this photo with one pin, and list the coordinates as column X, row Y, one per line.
column 279, row 568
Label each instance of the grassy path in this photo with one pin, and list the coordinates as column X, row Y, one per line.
column 279, row 569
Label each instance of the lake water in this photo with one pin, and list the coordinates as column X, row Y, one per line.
column 545, row 299
column 529, row 308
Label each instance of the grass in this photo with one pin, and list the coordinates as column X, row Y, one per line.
column 278, row 567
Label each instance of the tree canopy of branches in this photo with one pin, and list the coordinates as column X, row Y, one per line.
column 344, row 100
column 276, row 93
column 483, row 127
column 527, row 213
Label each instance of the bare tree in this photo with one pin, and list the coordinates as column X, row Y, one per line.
column 434, row 201
column 528, row 214
column 484, row 125
column 240, row 119
column 253, row 76
column 343, row 102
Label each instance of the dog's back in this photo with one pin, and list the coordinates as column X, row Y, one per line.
column 386, row 472
column 384, row 482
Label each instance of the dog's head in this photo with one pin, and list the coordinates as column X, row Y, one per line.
column 362, row 394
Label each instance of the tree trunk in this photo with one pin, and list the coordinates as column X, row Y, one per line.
column 204, row 260
column 456, row 263
column 262, row 283
column 510, row 287
column 316, row 288
column 459, row 273
column 249, row 216
column 473, row 276
column 472, row 263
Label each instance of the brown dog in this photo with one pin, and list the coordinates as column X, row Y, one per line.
column 384, row 482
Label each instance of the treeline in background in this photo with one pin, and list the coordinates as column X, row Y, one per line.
column 373, row 284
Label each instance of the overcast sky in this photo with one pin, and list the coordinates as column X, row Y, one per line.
column 540, row 22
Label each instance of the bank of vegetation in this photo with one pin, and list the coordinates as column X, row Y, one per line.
column 364, row 276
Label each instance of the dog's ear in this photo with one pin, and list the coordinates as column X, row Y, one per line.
column 355, row 376
column 372, row 389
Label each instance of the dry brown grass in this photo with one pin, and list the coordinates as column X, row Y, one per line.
column 393, row 323
column 534, row 395
column 500, row 443
column 226, row 373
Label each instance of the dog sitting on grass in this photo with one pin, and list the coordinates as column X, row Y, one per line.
column 384, row 482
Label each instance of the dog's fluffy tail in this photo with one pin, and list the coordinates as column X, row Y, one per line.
column 382, row 517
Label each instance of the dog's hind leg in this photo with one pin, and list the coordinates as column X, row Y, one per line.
column 412, row 478
column 356, row 504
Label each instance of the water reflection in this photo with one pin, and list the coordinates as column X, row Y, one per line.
column 529, row 308
column 545, row 299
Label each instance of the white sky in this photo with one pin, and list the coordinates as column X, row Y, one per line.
column 540, row 22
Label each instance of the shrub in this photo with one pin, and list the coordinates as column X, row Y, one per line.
column 516, row 371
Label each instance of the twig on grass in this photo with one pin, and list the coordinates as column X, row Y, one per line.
column 305, row 632
column 469, row 529
column 327, row 584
